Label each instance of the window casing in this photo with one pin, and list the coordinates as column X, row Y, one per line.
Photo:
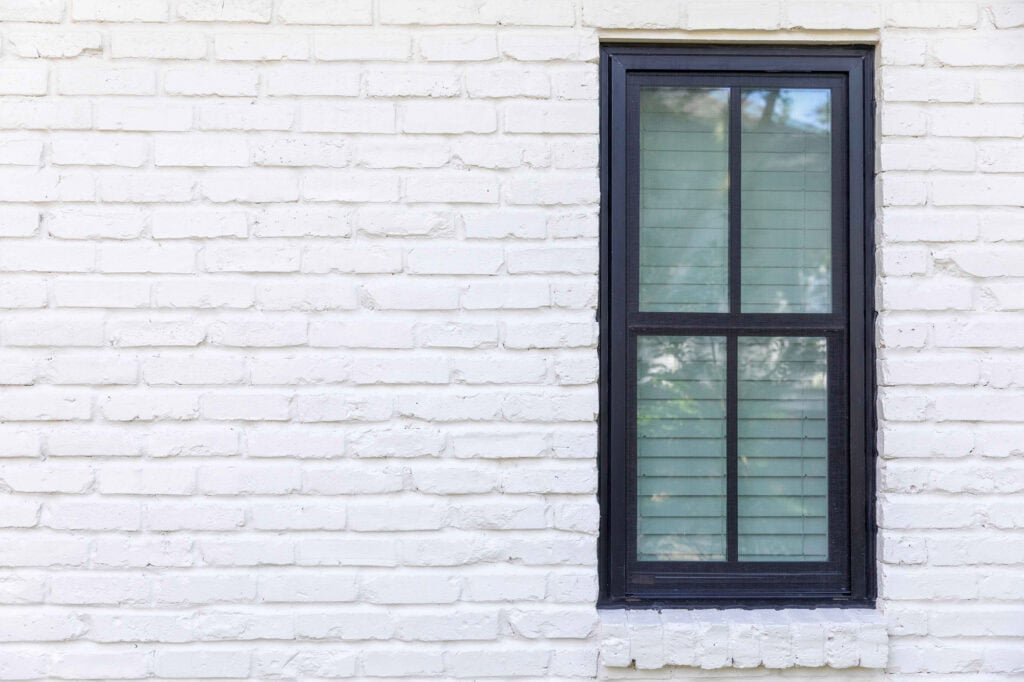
column 737, row 422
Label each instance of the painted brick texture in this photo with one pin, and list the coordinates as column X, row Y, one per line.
column 298, row 344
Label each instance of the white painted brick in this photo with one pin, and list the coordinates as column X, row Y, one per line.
column 555, row 117
column 204, row 224
column 99, row 150
column 123, row 80
column 348, row 118
column 750, row 15
column 259, row 47
column 200, row 150
column 349, row 187
column 119, row 10
column 449, row 117
column 555, row 13
column 170, row 117
column 620, row 14
column 95, row 223
column 223, row 81
column 50, row 11
column 144, row 45
column 18, row 221
column 40, row 115
column 458, row 47
column 462, row 187
column 268, row 186
column 435, row 81
column 226, row 10
column 53, row 44
column 368, row 45
column 304, row 150
column 849, row 15
column 932, row 15
column 970, row 51
column 212, row 663
column 548, row 46
column 192, row 294
column 244, row 117
column 344, row 12
column 25, row 80
column 317, row 80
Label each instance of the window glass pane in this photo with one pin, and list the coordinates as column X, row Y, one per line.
column 684, row 199
column 782, row 449
column 786, row 198
column 681, row 490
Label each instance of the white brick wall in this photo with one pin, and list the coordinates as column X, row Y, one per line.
column 298, row 340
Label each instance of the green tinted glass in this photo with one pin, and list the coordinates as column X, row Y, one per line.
column 782, row 449
column 681, row 484
column 786, row 198
column 684, row 199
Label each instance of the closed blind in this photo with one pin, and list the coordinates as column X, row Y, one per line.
column 782, row 449
column 681, row 484
column 786, row 161
column 684, row 199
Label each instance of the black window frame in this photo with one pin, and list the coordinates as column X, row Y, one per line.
column 848, row 578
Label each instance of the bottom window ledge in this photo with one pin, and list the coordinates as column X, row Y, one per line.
column 737, row 638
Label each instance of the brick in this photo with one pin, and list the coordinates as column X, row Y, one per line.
column 96, row 223
column 458, row 47
column 349, row 187
column 1007, row 15
column 445, row 117
column 26, row 80
column 223, row 81
column 245, row 117
column 99, row 150
column 125, row 80
column 619, row 14
column 163, row 46
column 119, row 10
column 202, row 224
column 143, row 117
column 555, row 13
column 225, row 10
column 321, row 80
column 548, row 46
column 932, row 15
column 369, row 45
column 902, row 84
column 849, row 15
column 470, row 188
column 991, row 51
column 200, row 150
column 344, row 12
column 550, row 118
column 348, row 118
column 746, row 15
column 268, row 186
column 259, row 47
column 49, row 11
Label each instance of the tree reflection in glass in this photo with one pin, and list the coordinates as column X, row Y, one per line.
column 684, row 199
column 782, row 449
column 681, row 483
column 786, row 195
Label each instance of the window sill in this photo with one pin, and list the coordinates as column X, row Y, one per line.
column 736, row 638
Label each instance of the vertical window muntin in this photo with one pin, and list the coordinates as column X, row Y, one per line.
column 713, row 582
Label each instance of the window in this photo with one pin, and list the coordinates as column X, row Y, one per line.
column 737, row 428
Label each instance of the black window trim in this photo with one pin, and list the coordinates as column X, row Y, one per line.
column 848, row 579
